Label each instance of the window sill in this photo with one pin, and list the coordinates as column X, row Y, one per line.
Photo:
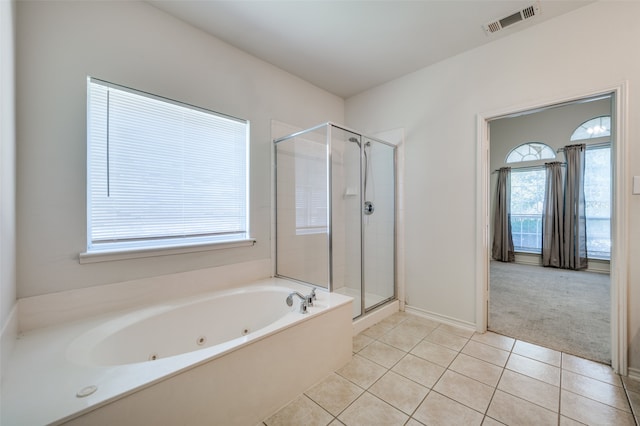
column 124, row 254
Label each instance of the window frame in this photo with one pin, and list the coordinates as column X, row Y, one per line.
column 538, row 216
column 172, row 243
column 600, row 130
column 540, row 149
column 592, row 148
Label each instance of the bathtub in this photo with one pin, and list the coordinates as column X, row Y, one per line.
column 229, row 357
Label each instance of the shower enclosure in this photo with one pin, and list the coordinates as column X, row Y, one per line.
column 335, row 213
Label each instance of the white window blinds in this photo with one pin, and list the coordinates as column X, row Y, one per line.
column 162, row 173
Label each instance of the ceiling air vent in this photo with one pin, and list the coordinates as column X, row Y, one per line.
column 514, row 18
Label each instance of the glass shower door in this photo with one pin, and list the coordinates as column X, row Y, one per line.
column 378, row 222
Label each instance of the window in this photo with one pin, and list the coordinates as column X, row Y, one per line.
column 597, row 195
column 311, row 188
column 597, row 185
column 527, row 196
column 595, row 128
column 527, row 199
column 162, row 173
column 530, row 151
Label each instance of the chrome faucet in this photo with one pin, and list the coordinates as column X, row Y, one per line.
column 311, row 297
column 305, row 301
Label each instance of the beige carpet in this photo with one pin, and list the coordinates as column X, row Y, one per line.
column 560, row 309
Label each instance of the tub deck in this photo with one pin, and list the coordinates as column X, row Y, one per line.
column 230, row 383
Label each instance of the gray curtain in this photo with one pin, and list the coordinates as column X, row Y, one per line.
column 502, row 249
column 552, row 216
column 574, row 254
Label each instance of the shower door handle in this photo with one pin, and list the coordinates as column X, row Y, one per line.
column 368, row 208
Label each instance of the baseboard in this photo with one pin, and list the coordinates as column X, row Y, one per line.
column 440, row 318
column 528, row 259
column 633, row 373
column 8, row 338
column 599, row 266
column 375, row 317
column 595, row 265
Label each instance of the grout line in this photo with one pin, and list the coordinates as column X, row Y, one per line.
column 448, row 368
column 560, row 392
column 495, row 389
column 599, row 402
column 429, row 389
column 420, row 403
column 633, row 409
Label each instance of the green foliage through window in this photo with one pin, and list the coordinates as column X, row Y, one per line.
column 527, row 199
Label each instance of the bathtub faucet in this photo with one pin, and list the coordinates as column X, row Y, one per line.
column 311, row 297
column 303, row 302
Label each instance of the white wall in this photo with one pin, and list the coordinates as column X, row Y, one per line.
column 134, row 44
column 553, row 127
column 591, row 48
column 7, row 175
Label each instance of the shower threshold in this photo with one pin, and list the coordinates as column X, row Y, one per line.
column 371, row 300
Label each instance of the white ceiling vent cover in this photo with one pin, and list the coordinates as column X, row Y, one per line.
column 514, row 18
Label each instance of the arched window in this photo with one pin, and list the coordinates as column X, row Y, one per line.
column 530, row 151
column 595, row 128
column 527, row 195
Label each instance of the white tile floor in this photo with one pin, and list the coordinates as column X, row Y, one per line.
column 409, row 370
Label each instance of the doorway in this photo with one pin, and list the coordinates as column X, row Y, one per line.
column 618, row 221
column 565, row 310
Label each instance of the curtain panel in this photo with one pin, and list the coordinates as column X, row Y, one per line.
column 552, row 216
column 574, row 252
column 502, row 249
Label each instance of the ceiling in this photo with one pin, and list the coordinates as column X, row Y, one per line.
column 348, row 46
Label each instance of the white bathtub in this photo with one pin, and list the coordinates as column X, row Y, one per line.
column 231, row 357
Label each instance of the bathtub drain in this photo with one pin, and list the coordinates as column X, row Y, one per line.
column 86, row 391
column 245, row 331
column 153, row 357
column 201, row 340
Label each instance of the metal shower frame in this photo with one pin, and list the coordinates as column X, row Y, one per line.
column 330, row 126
